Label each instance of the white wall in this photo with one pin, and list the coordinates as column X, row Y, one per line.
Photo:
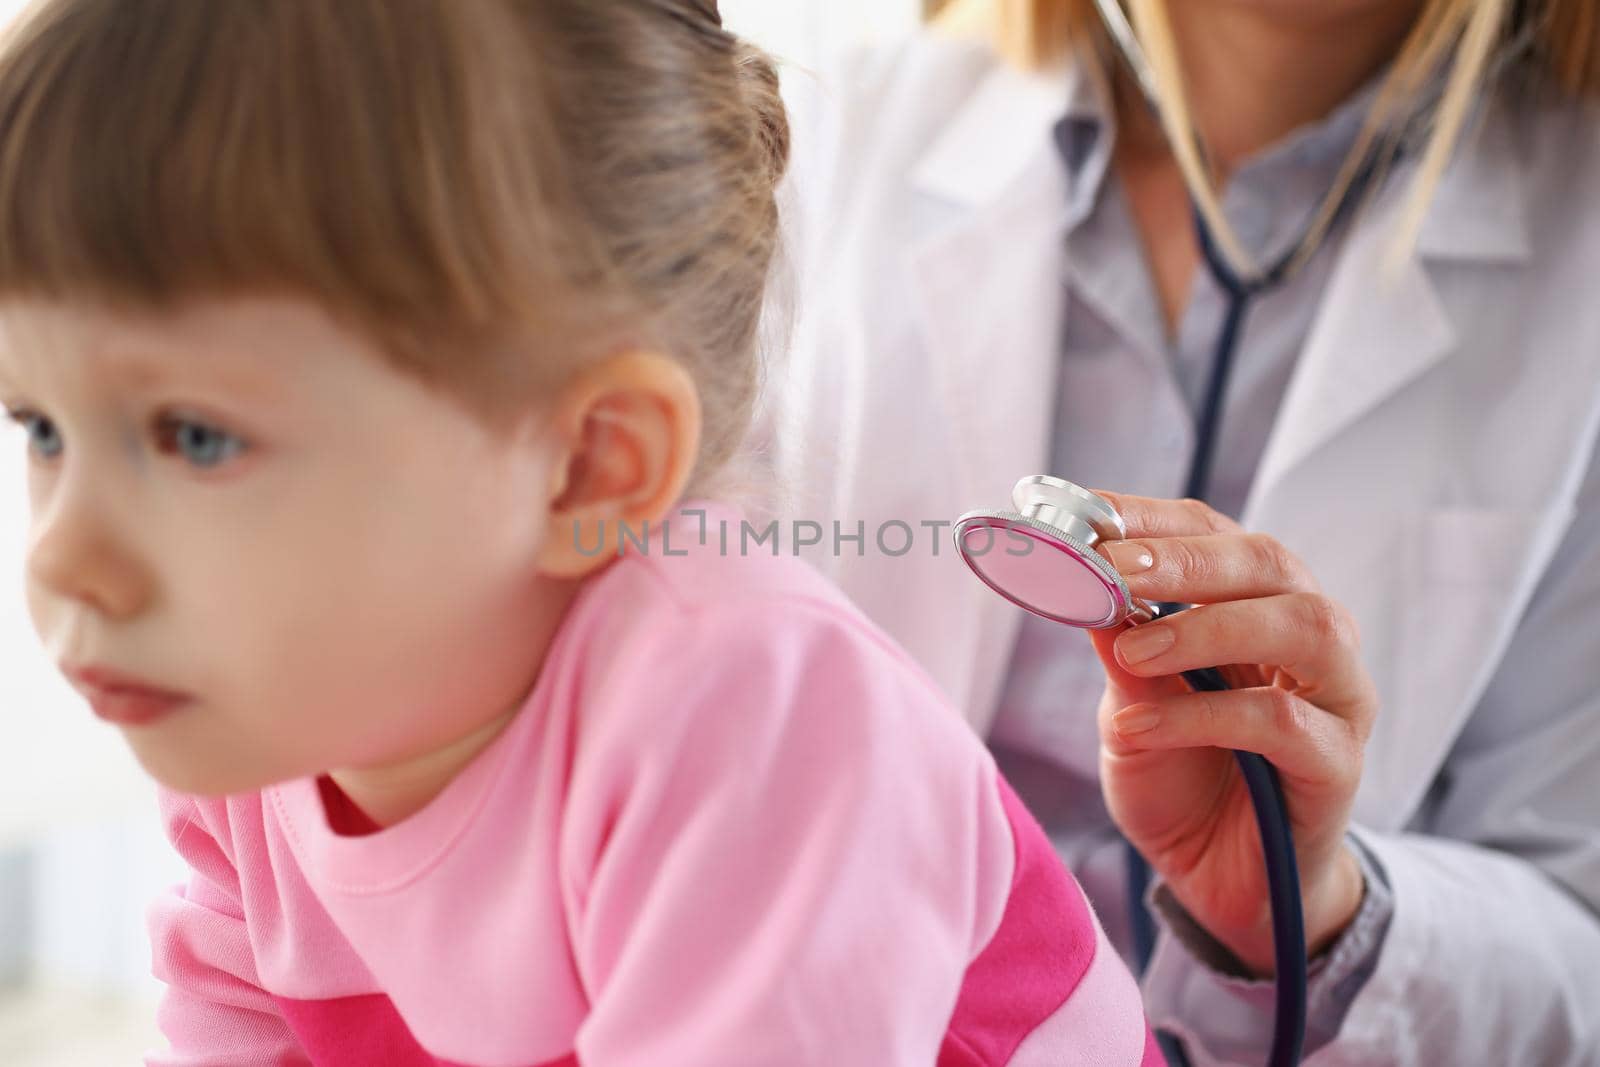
column 804, row 32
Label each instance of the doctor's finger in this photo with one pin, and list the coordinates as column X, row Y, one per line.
column 1152, row 517
column 1302, row 741
column 1209, row 569
column 1312, row 640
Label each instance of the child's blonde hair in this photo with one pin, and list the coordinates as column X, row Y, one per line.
column 493, row 190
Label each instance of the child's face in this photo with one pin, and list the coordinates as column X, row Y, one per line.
column 244, row 504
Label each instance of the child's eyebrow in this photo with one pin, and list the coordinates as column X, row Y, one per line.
column 133, row 370
column 8, row 383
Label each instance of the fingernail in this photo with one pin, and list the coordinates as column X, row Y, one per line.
column 1145, row 643
column 1130, row 557
column 1139, row 719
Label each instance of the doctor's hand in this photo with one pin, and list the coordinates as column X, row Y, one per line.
column 1300, row 697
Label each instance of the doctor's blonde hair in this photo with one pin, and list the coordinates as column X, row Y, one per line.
column 1458, row 37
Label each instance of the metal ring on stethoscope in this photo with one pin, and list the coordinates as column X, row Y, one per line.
column 1070, row 521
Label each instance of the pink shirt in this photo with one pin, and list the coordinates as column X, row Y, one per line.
column 732, row 826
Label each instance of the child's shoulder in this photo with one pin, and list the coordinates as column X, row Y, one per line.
column 730, row 683
column 701, row 611
column 708, row 556
column 707, row 567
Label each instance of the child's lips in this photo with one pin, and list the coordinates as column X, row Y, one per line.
column 122, row 698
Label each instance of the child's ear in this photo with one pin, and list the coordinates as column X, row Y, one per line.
column 628, row 435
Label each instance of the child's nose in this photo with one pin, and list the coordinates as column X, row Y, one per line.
column 76, row 552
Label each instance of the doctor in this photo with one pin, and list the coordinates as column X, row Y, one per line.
column 999, row 276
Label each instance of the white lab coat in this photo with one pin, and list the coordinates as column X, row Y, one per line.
column 1427, row 466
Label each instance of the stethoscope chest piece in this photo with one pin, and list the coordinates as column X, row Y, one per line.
column 1042, row 556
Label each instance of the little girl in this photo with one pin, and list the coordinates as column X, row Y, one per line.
column 358, row 344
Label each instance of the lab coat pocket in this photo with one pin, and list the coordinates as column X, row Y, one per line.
column 1477, row 547
column 1467, row 576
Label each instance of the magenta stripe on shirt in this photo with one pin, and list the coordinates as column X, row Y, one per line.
column 362, row 1031
column 1037, row 957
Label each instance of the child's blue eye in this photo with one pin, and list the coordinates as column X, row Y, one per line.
column 201, row 445
column 43, row 437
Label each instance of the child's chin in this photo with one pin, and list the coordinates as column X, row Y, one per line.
column 183, row 773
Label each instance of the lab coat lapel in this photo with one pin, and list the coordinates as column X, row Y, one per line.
column 987, row 296
column 1380, row 328
column 1369, row 341
column 987, row 287
column 1374, row 336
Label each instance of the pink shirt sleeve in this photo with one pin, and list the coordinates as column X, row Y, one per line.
column 214, row 1011
column 784, row 847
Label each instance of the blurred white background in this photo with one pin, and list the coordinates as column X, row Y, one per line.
column 80, row 848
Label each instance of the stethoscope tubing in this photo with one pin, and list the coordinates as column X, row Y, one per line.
column 1283, row 888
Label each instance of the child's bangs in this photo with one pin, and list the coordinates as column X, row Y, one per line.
column 151, row 152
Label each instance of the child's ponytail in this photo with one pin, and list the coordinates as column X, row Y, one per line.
column 687, row 140
column 759, row 79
